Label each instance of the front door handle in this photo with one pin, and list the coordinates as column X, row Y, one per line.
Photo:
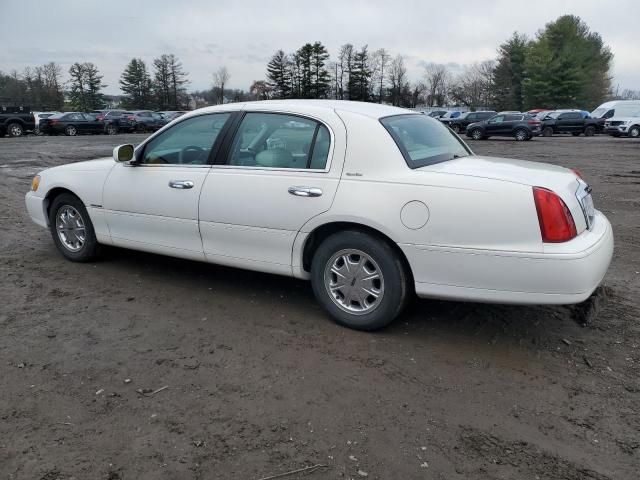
column 181, row 184
column 305, row 191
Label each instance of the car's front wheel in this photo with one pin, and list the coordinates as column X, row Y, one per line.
column 15, row 130
column 360, row 280
column 547, row 132
column 589, row 131
column 634, row 132
column 71, row 229
column 70, row 131
column 112, row 129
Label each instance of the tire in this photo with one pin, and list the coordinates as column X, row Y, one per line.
column 111, row 129
column 455, row 127
column 476, row 134
column 15, row 130
column 590, row 131
column 634, row 132
column 68, row 212
column 521, row 135
column 70, row 131
column 547, row 132
column 371, row 256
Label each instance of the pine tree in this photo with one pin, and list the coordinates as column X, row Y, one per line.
column 509, row 73
column 135, row 83
column 320, row 78
column 162, row 82
column 567, row 66
column 85, row 85
column 360, row 76
column 279, row 75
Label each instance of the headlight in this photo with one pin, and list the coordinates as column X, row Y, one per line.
column 35, row 183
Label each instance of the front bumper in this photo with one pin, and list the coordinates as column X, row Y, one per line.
column 617, row 131
column 563, row 274
column 36, row 208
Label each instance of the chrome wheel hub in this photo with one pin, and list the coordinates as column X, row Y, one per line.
column 70, row 228
column 354, row 281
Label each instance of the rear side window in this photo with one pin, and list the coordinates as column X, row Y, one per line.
column 512, row 118
column 423, row 141
column 274, row 140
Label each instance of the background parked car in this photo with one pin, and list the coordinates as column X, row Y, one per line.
column 71, row 124
column 624, row 126
column 519, row 126
column 116, row 121
column 146, row 120
column 435, row 113
column 39, row 116
column 461, row 123
column 15, row 121
column 447, row 117
column 564, row 121
column 171, row 115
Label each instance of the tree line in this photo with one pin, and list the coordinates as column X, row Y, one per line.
column 565, row 65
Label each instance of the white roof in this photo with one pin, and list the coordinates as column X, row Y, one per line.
column 373, row 110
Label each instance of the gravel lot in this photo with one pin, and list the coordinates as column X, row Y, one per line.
column 260, row 382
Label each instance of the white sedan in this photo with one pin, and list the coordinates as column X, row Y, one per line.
column 371, row 203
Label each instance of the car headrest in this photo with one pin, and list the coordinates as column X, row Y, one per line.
column 275, row 158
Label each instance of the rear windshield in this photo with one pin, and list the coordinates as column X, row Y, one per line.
column 423, row 140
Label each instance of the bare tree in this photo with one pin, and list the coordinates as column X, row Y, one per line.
column 220, row 79
column 343, row 71
column 475, row 87
column 380, row 61
column 397, row 80
column 436, row 84
column 261, row 89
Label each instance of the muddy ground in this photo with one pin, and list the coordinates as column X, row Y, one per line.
column 260, row 382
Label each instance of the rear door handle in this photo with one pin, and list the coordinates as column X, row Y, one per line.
column 305, row 191
column 181, row 184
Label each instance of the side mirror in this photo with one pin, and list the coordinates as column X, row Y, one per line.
column 123, row 153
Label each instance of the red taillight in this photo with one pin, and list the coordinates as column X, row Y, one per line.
column 578, row 173
column 556, row 222
column 534, row 122
column 54, row 121
column 131, row 117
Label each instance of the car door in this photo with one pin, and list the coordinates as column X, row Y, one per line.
column 152, row 203
column 77, row 120
column 494, row 125
column 277, row 173
column 92, row 123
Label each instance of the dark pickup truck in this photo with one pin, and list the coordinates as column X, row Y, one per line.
column 15, row 121
column 568, row 122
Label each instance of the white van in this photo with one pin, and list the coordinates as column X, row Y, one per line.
column 616, row 108
column 622, row 118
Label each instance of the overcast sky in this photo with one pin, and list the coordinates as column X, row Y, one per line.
column 243, row 34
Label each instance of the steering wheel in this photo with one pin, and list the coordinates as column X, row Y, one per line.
column 191, row 148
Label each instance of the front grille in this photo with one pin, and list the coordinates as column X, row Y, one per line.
column 616, row 123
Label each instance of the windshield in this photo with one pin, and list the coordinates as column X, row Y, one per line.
column 423, row 141
column 598, row 112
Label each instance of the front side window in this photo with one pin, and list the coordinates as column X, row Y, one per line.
column 274, row 140
column 187, row 143
column 497, row 119
column 423, row 141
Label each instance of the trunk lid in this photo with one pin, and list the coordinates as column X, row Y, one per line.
column 560, row 180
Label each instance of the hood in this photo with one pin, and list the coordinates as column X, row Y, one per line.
column 99, row 165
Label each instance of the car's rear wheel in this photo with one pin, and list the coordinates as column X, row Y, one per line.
column 589, row 131
column 455, row 128
column 476, row 134
column 521, row 135
column 70, row 131
column 15, row 130
column 547, row 132
column 634, row 132
column 359, row 280
column 112, row 130
column 71, row 229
